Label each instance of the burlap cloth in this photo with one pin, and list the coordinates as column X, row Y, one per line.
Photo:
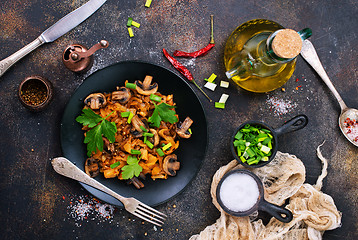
column 313, row 211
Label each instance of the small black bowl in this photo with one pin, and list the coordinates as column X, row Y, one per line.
column 296, row 123
column 280, row 213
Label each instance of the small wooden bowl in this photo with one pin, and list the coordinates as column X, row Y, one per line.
column 35, row 93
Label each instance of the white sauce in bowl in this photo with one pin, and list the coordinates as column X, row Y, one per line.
column 239, row 192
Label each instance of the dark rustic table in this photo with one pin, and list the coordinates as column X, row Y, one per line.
column 37, row 203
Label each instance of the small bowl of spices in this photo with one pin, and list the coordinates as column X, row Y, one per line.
column 35, row 92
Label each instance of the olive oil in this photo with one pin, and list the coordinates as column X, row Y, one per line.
column 250, row 61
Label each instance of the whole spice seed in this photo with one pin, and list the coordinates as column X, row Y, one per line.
column 34, row 92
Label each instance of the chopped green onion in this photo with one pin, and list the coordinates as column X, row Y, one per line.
column 129, row 22
column 242, row 159
column 116, row 164
column 223, row 98
column 210, row 85
column 143, row 129
column 125, row 114
column 167, row 146
column 160, row 152
column 131, row 115
column 131, row 85
column 224, row 84
column 130, row 32
column 190, row 131
column 149, row 144
column 148, row 134
column 135, row 24
column 212, row 78
column 133, row 151
column 154, row 97
column 250, row 152
column 239, row 135
column 219, row 105
column 147, row 3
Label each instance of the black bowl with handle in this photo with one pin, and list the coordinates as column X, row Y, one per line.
column 296, row 123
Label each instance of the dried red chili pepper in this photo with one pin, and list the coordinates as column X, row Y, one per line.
column 183, row 70
column 202, row 51
column 195, row 54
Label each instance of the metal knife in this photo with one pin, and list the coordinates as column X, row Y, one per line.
column 61, row 27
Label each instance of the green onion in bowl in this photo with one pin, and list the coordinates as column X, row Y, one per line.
column 253, row 144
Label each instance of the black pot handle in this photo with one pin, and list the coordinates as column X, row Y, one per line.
column 280, row 213
column 296, row 123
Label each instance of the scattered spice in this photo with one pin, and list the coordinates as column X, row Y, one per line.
column 351, row 129
column 203, row 51
column 283, row 89
column 34, row 92
column 280, row 106
column 81, row 208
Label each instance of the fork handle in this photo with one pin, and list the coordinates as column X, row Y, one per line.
column 66, row 168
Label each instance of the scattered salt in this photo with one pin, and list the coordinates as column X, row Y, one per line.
column 280, row 106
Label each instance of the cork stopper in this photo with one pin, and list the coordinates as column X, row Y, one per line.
column 287, row 43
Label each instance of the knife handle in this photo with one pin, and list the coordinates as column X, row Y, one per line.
column 12, row 59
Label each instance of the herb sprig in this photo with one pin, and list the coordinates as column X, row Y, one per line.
column 163, row 112
column 100, row 127
column 132, row 169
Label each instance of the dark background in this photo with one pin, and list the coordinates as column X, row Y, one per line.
column 35, row 200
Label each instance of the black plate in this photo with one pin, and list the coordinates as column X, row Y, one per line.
column 191, row 151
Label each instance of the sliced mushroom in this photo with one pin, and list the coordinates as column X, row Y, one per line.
column 91, row 167
column 146, row 87
column 122, row 95
column 171, row 164
column 109, row 146
column 183, row 128
column 136, row 182
column 137, row 123
column 95, row 100
column 155, row 138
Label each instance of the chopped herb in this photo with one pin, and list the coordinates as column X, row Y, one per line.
column 163, row 112
column 147, row 3
column 210, row 85
column 149, row 144
column 116, row 164
column 223, row 98
column 143, row 129
column 131, row 85
column 125, row 114
column 131, row 115
column 148, row 134
column 212, row 78
column 166, row 147
column 100, row 127
column 130, row 32
column 129, row 22
column 135, row 24
column 160, row 152
column 224, row 84
column 219, row 105
column 155, row 98
column 190, row 131
column 133, row 151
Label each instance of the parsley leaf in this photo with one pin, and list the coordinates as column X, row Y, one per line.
column 132, row 169
column 89, row 118
column 93, row 137
column 163, row 112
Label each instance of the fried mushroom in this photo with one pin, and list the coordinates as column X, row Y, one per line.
column 182, row 129
column 146, row 87
column 122, row 95
column 171, row 164
column 137, row 123
column 95, row 100
column 91, row 167
column 155, row 138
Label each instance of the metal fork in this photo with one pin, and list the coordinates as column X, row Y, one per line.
column 66, row 168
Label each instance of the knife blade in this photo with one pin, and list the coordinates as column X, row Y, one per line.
column 61, row 27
